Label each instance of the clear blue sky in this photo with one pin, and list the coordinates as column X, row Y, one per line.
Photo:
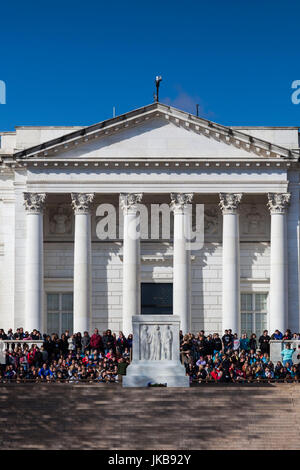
column 69, row 62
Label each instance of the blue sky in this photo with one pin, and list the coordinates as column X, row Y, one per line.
column 69, row 62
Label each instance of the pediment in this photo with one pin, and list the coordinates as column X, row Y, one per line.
column 156, row 138
column 154, row 132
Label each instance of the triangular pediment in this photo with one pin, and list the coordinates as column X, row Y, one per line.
column 156, row 131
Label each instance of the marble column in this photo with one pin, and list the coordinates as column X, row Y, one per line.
column 131, row 259
column 34, row 297
column 181, row 259
column 277, row 203
column 229, row 203
column 82, row 312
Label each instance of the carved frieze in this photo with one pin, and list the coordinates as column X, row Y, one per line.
column 156, row 342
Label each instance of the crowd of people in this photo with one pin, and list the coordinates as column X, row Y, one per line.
column 69, row 358
column 233, row 359
column 104, row 358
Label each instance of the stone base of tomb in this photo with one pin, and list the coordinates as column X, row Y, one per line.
column 146, row 373
column 155, row 353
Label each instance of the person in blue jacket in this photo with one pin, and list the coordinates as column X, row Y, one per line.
column 244, row 342
column 277, row 335
column 45, row 371
column 287, row 354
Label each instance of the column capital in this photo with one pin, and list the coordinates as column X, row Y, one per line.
column 179, row 201
column 129, row 201
column 81, row 202
column 278, row 202
column 34, row 202
column 229, row 202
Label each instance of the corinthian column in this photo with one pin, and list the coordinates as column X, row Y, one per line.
column 277, row 203
column 229, row 203
column 131, row 259
column 34, row 204
column 181, row 260
column 81, row 204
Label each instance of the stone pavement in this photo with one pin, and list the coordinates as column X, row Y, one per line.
column 106, row 416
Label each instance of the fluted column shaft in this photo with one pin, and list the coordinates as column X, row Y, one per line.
column 181, row 260
column 131, row 259
column 229, row 203
column 277, row 203
column 34, row 311
column 82, row 313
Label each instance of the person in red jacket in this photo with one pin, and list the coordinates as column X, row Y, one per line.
column 96, row 341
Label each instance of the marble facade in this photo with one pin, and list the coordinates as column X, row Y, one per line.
column 53, row 180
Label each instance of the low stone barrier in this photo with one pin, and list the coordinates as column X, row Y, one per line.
column 10, row 344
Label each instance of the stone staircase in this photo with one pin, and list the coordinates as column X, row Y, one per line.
column 106, row 416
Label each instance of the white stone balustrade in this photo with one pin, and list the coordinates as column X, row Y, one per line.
column 7, row 344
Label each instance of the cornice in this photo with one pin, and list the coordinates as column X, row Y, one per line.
column 150, row 164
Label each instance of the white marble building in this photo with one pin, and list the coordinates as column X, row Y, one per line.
column 55, row 271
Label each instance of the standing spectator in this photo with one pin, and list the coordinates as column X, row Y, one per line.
column 252, row 342
column 63, row 345
column 38, row 357
column 10, row 334
column 264, row 341
column 96, row 341
column 44, row 354
column 121, row 342
column 244, row 342
column 108, row 341
column 236, row 342
column 19, row 334
column 48, row 345
column 71, row 344
column 129, row 341
column 2, row 334
column 287, row 335
column 35, row 335
column 287, row 355
column 227, row 341
column 85, row 341
column 78, row 341
column 217, row 342
column 209, row 345
column 54, row 346
column 277, row 335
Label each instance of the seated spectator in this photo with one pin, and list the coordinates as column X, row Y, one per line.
column 45, row 371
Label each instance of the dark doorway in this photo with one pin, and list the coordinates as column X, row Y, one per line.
column 157, row 298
